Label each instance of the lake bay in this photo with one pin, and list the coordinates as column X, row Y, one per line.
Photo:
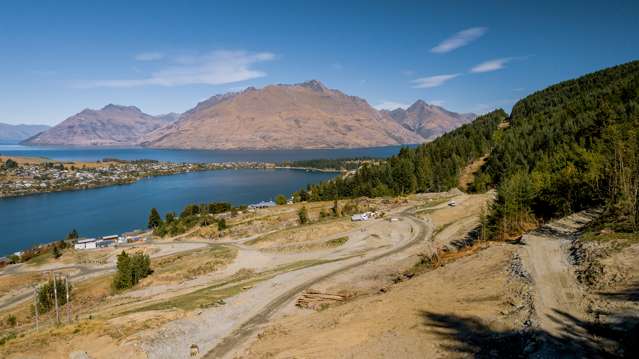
column 42, row 218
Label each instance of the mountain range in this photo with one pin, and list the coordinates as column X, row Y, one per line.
column 429, row 121
column 16, row 133
column 305, row 115
column 113, row 125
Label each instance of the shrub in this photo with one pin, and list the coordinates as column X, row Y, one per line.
column 131, row 269
column 302, row 215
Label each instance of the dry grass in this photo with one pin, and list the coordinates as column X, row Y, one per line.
column 215, row 294
column 188, row 265
column 306, row 233
column 16, row 281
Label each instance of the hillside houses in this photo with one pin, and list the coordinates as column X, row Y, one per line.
column 110, row 240
column 41, row 177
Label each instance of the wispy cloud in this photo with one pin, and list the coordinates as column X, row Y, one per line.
column 149, row 56
column 215, row 68
column 432, row 81
column 391, row 105
column 458, row 40
column 337, row 66
column 491, row 65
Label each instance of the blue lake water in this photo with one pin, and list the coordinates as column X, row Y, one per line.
column 99, row 153
column 26, row 221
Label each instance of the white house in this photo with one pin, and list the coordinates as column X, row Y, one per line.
column 133, row 236
column 263, row 204
column 86, row 243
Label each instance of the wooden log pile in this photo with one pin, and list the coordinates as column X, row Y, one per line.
column 316, row 300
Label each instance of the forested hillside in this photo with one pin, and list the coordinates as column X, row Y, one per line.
column 430, row 167
column 571, row 146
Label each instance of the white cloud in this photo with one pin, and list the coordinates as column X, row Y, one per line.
column 391, row 105
column 215, row 68
column 432, row 81
column 149, row 56
column 458, row 40
column 337, row 66
column 491, row 65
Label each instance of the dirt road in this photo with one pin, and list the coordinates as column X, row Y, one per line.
column 248, row 328
column 558, row 298
column 87, row 271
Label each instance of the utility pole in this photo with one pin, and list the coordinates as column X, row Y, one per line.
column 35, row 305
column 55, row 298
column 66, row 284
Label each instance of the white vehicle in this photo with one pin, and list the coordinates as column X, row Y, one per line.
column 359, row 217
column 452, row 203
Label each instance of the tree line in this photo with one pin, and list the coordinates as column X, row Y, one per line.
column 431, row 167
column 341, row 164
column 572, row 146
column 192, row 215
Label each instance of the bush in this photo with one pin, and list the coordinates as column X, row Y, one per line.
column 131, row 269
column 73, row 234
column 10, row 164
column 46, row 295
column 11, row 320
column 280, row 199
column 221, row 224
column 302, row 215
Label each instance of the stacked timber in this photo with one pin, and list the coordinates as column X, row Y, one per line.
column 316, row 300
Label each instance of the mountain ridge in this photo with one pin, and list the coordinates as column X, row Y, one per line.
column 15, row 133
column 428, row 120
column 290, row 116
column 112, row 125
column 307, row 115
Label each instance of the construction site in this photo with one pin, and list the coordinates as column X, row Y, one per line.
column 417, row 280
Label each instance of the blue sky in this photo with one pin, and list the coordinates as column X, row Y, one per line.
column 59, row 57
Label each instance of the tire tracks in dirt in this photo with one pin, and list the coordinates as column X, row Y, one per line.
column 249, row 327
column 559, row 300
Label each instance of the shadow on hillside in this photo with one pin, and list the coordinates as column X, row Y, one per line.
column 631, row 294
column 473, row 337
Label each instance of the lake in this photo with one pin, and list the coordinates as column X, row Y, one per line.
column 29, row 220
column 99, row 153
column 26, row 221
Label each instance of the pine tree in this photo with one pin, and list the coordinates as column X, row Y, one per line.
column 154, row 219
column 123, row 276
column 73, row 234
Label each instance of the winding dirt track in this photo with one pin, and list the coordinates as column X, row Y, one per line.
column 248, row 328
column 83, row 272
column 559, row 300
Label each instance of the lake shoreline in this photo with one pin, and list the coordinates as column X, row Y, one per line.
column 171, row 169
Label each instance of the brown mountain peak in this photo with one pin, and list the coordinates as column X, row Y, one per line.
column 306, row 115
column 314, row 85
